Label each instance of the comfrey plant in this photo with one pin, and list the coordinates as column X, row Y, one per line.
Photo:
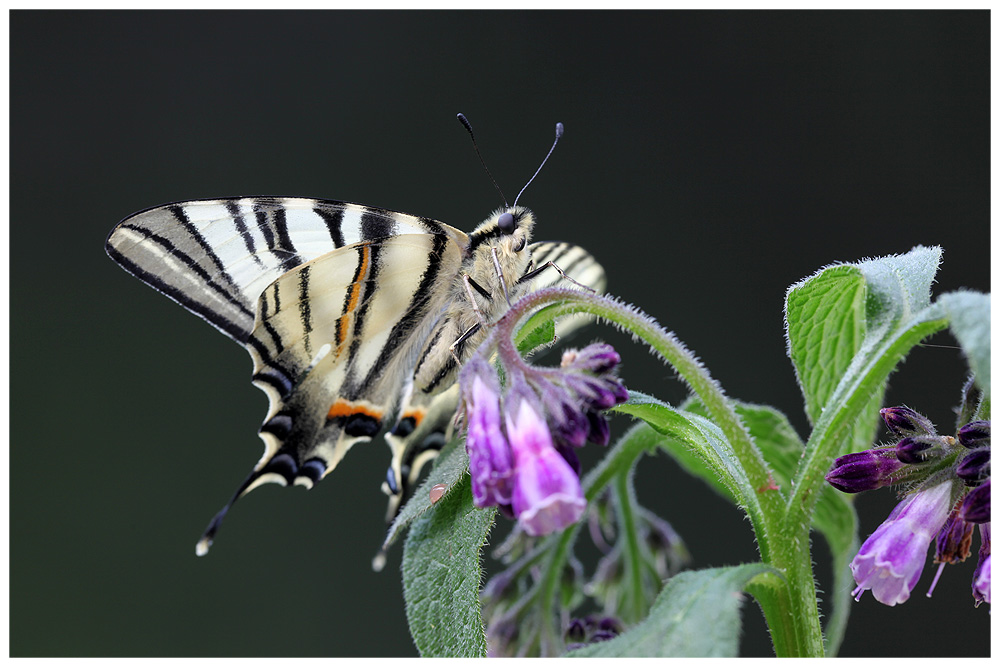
column 521, row 425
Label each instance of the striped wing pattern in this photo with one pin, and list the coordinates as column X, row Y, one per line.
column 216, row 256
column 335, row 303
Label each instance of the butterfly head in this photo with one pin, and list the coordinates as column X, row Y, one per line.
column 508, row 230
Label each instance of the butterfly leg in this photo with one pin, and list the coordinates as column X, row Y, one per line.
column 471, row 287
column 461, row 339
column 530, row 274
column 503, row 283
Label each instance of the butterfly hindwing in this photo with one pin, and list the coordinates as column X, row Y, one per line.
column 333, row 340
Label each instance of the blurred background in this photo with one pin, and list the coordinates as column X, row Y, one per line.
column 710, row 160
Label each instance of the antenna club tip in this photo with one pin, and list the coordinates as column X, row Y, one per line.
column 559, row 130
column 201, row 548
column 378, row 562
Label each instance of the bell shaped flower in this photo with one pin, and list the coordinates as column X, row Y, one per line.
column 490, row 459
column 891, row 560
column 547, row 495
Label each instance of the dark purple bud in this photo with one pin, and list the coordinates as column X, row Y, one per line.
column 975, row 434
column 610, row 624
column 913, row 450
column 864, row 471
column 602, row 636
column 596, row 358
column 572, row 427
column 576, row 633
column 976, row 506
column 600, row 431
column 599, row 395
column 954, row 541
column 903, row 421
column 620, row 392
column 975, row 467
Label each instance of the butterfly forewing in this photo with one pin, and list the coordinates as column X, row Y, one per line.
column 216, row 256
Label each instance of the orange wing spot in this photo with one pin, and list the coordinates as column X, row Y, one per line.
column 344, row 408
column 344, row 322
column 417, row 415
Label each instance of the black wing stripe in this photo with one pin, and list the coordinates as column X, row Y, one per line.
column 361, row 312
column 305, row 311
column 280, row 221
column 415, row 310
column 374, row 225
column 244, row 231
column 333, row 220
column 182, row 218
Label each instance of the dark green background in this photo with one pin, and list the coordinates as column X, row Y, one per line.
column 710, row 160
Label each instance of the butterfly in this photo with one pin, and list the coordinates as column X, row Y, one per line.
column 357, row 318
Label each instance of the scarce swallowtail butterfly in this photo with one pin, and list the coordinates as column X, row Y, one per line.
column 356, row 318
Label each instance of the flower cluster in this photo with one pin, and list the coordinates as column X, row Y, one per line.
column 521, row 442
column 948, row 482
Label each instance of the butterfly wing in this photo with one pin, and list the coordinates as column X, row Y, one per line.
column 216, row 256
column 335, row 325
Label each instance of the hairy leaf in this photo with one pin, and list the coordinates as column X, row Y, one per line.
column 696, row 615
column 441, row 575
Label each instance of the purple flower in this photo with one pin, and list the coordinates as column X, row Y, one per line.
column 915, row 449
column 981, row 577
column 490, row 460
column 864, row 471
column 595, row 358
column 547, row 494
column 975, row 467
column 954, row 540
column 975, row 434
column 903, row 421
column 976, row 505
column 890, row 561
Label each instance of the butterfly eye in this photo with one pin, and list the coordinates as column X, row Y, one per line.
column 506, row 223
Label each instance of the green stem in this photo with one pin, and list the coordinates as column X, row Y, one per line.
column 633, row 564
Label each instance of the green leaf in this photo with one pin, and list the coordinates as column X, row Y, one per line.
column 448, row 469
column 969, row 318
column 696, row 615
column 837, row 319
column 540, row 336
column 825, row 324
column 695, row 443
column 441, row 575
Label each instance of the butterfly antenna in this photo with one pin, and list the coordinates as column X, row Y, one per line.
column 468, row 126
column 559, row 133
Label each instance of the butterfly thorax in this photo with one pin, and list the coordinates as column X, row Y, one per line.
column 494, row 261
